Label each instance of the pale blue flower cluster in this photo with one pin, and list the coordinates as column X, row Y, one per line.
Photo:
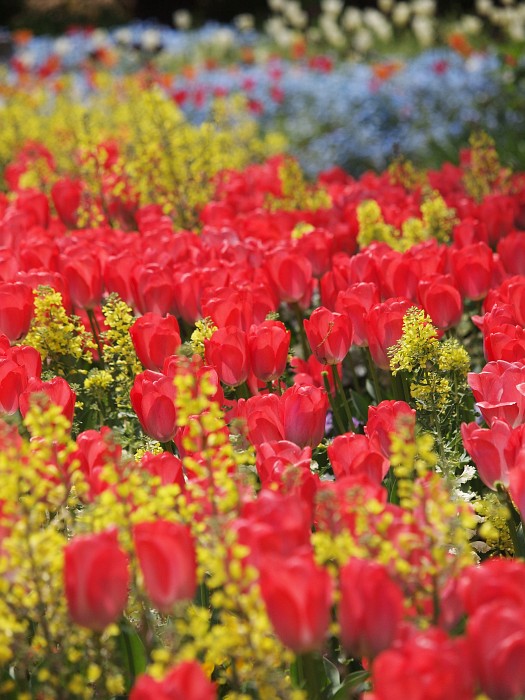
column 345, row 114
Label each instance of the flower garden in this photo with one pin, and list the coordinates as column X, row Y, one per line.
column 262, row 359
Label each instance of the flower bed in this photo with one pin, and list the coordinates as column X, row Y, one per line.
column 274, row 454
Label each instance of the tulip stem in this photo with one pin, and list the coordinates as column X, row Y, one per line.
column 341, row 393
column 242, row 391
column 518, row 541
column 310, row 674
column 373, row 374
column 302, row 335
column 93, row 323
column 333, row 404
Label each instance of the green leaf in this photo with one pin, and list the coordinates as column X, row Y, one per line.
column 133, row 653
column 351, row 681
column 332, row 672
column 361, row 404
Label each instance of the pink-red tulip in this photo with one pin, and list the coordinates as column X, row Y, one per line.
column 96, row 579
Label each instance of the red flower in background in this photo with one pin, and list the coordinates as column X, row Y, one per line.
column 96, row 578
column 57, row 391
column 155, row 338
column 371, row 608
column 16, row 309
column 187, row 680
column 227, row 352
column 351, row 454
column 153, row 400
column 298, row 598
column 167, row 558
column 426, row 666
column 384, row 327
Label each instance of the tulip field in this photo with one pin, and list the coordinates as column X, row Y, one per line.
column 262, row 364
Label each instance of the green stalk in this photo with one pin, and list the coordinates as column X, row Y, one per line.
column 94, row 325
column 335, row 410
column 373, row 373
column 310, row 675
column 302, row 335
column 341, row 394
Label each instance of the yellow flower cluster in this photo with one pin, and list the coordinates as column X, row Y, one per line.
column 297, row 193
column 120, row 358
column 204, row 329
column 161, row 158
column 437, row 221
column 436, row 368
column 485, row 172
column 59, row 338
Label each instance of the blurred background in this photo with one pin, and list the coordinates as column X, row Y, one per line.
column 53, row 16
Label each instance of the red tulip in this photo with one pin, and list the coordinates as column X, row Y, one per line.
column 16, row 309
column 96, row 579
column 152, row 288
column 298, row 598
column 96, row 450
column 384, row 325
column 441, row 300
column 427, row 666
column 155, row 338
column 66, row 194
column 292, row 276
column 268, row 346
column 227, row 352
column 153, row 400
column 83, row 276
column 329, row 334
column 13, row 380
column 496, row 637
column 487, row 447
column 386, row 419
column 304, row 414
column 275, row 524
column 166, row 466
column 167, row 558
column 351, row 454
column 371, row 608
column 186, row 680
column 473, row 268
column 57, row 391
column 499, row 390
column 355, row 302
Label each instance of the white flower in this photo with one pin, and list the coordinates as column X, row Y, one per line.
column 424, row 8
column 332, row 7
column 423, row 30
column 385, row 5
column 470, row 24
column 295, row 14
column 223, row 38
column 362, row 40
column 401, row 14
column 244, row 22
column 483, row 7
column 62, row 46
column 378, row 24
column 150, row 39
column 124, row 36
column 182, row 19
column 276, row 5
column 98, row 38
column 351, row 19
